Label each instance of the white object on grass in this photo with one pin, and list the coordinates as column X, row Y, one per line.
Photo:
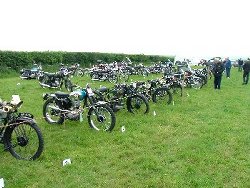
column 173, row 103
column 154, row 113
column 18, row 84
column 1, row 183
column 81, row 119
column 187, row 94
column 66, row 162
column 15, row 99
column 123, row 129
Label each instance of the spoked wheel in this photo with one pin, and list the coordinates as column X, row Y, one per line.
column 43, row 80
column 113, row 78
column 101, row 118
column 79, row 72
column 162, row 95
column 25, row 141
column 124, row 77
column 51, row 113
column 197, row 83
column 138, row 104
column 86, row 73
column 68, row 85
column 177, row 89
column 144, row 73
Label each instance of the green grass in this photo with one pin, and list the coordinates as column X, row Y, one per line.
column 202, row 140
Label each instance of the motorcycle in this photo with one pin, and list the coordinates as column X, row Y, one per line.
column 19, row 132
column 75, row 69
column 60, row 106
column 121, row 95
column 31, row 73
column 56, row 80
column 103, row 75
column 157, row 90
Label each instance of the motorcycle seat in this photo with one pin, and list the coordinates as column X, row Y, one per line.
column 49, row 74
column 103, row 89
column 60, row 94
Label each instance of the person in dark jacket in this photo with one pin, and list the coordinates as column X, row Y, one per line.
column 246, row 70
column 217, row 71
column 228, row 66
column 240, row 64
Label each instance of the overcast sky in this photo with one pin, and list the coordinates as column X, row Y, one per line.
column 192, row 28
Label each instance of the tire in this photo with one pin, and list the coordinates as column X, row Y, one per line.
column 113, row 78
column 25, row 141
column 162, row 94
column 86, row 73
column 144, row 73
column 79, row 73
column 204, row 80
column 177, row 89
column 124, row 77
column 197, row 83
column 43, row 80
column 68, row 85
column 107, row 118
column 52, row 116
column 138, row 104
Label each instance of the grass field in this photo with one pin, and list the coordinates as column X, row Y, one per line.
column 201, row 140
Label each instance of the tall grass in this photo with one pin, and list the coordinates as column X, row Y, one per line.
column 201, row 140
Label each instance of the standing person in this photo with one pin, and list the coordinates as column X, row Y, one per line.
column 228, row 66
column 217, row 71
column 246, row 70
column 240, row 64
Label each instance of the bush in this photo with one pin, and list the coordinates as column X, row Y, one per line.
column 18, row 60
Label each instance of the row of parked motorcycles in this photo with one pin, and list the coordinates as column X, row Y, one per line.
column 120, row 71
column 104, row 102
column 17, row 129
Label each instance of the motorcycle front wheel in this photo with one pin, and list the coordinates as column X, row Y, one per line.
column 101, row 118
column 162, row 94
column 43, row 80
column 68, row 85
column 177, row 89
column 25, row 141
column 138, row 104
column 113, row 78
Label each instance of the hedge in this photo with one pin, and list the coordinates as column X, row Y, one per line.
column 18, row 60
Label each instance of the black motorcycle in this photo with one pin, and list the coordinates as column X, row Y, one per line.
column 157, row 90
column 121, row 95
column 31, row 73
column 19, row 132
column 60, row 106
column 56, row 80
column 103, row 75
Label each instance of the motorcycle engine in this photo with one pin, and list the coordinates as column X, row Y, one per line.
column 75, row 112
column 73, row 115
column 65, row 103
column 56, row 83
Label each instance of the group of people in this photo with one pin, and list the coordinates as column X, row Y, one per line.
column 219, row 66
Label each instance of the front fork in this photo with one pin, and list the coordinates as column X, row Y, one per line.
column 92, row 102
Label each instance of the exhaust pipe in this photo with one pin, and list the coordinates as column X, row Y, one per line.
column 46, row 85
column 55, row 108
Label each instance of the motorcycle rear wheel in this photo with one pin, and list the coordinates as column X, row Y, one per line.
column 50, row 114
column 138, row 104
column 162, row 94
